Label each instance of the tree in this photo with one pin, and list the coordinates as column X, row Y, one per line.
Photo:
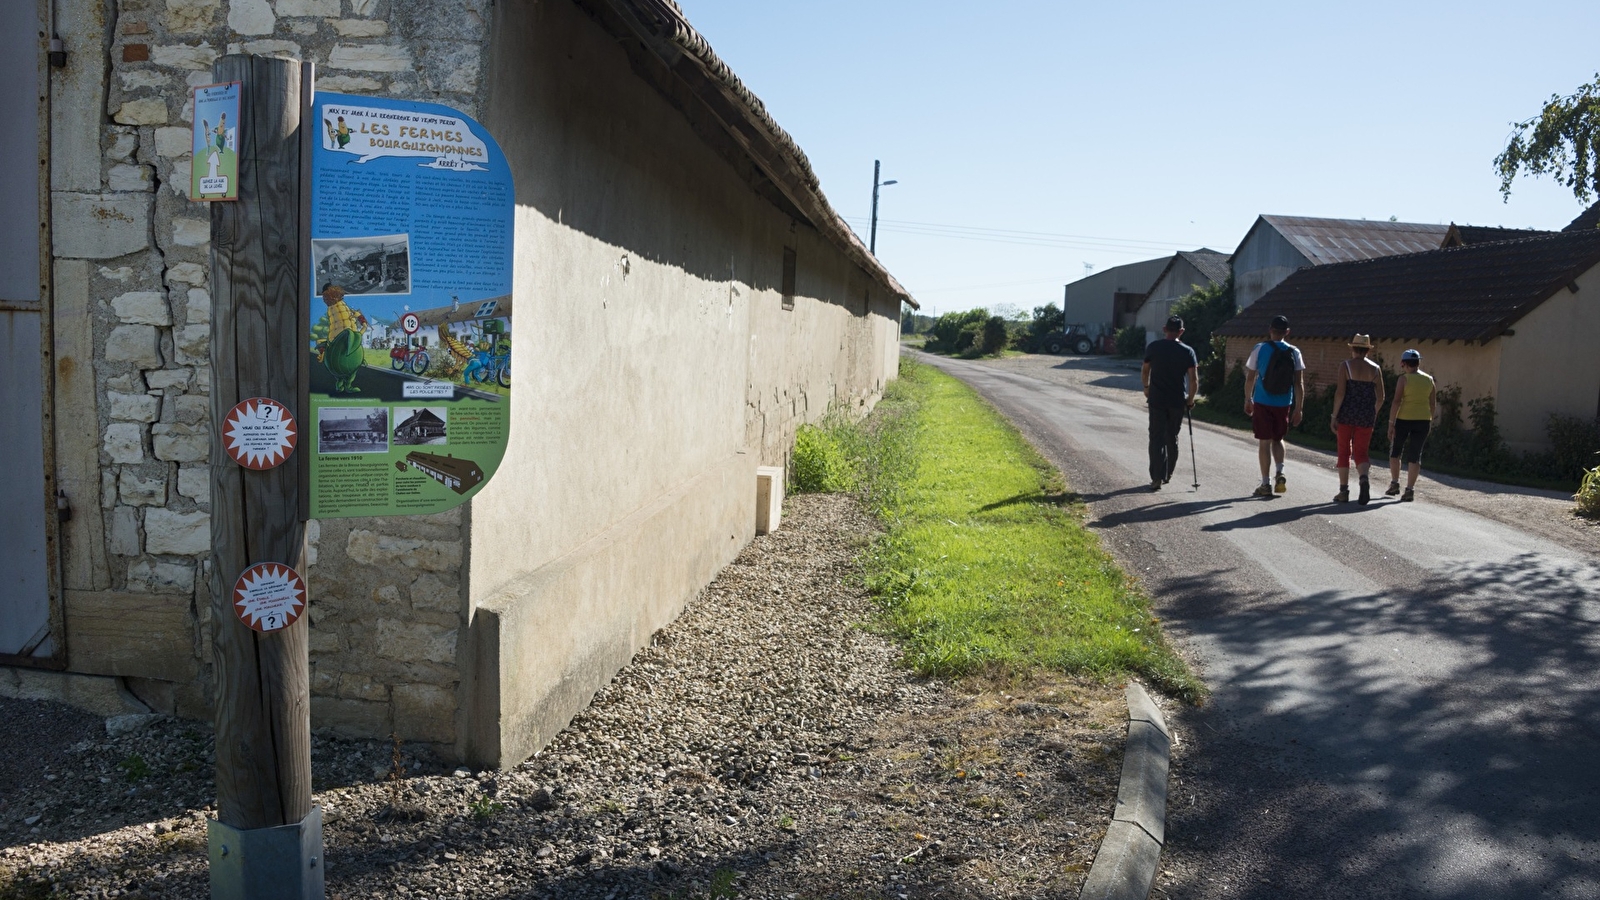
column 1563, row 141
column 1204, row 311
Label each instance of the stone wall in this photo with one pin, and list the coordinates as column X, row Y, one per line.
column 131, row 250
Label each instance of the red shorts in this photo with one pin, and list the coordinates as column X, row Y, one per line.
column 1353, row 444
column 1271, row 422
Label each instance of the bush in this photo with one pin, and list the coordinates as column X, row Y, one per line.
column 948, row 330
column 1047, row 320
column 1214, row 367
column 1574, row 446
column 1130, row 341
column 1588, row 495
column 994, row 337
column 819, row 464
column 1203, row 312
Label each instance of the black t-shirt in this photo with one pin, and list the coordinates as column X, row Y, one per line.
column 1170, row 362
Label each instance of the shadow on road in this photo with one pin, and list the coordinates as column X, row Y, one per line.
column 1160, row 513
column 1468, row 773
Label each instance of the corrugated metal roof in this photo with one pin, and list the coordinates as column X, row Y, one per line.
column 1467, row 293
column 1324, row 241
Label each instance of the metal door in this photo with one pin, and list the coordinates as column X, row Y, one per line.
column 25, row 557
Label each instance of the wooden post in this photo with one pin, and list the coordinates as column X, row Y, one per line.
column 260, row 285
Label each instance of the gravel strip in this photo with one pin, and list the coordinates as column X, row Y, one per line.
column 766, row 744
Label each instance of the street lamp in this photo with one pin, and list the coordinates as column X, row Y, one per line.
column 872, row 240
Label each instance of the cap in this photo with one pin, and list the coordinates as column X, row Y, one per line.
column 1362, row 340
column 1411, row 356
column 1174, row 323
column 1280, row 323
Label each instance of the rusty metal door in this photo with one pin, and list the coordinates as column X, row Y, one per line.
column 25, row 556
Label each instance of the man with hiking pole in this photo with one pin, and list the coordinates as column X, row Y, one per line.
column 1274, row 399
column 1168, row 364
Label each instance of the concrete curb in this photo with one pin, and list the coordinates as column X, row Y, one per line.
column 1125, row 866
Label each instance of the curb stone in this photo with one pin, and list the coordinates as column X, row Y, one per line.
column 1125, row 866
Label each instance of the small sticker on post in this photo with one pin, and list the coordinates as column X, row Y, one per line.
column 269, row 597
column 259, row 433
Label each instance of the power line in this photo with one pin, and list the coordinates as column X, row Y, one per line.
column 1023, row 238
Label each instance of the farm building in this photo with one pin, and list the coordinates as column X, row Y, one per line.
column 1277, row 246
column 1186, row 272
column 689, row 296
column 1111, row 298
column 1512, row 320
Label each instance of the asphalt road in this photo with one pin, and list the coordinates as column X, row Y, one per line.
column 1405, row 696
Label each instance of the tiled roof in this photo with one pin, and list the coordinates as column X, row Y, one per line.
column 684, row 65
column 1211, row 264
column 1324, row 241
column 1483, row 234
column 1586, row 220
column 1469, row 293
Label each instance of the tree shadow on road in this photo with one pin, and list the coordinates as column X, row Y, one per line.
column 1466, row 770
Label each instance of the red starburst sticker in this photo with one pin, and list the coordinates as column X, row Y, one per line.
column 259, row 433
column 269, row 597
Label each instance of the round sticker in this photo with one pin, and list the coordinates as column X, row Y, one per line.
column 410, row 323
column 259, row 433
column 269, row 597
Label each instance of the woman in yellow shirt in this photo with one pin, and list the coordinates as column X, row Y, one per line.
column 1415, row 406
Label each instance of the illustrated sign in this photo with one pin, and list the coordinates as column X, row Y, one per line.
column 269, row 597
column 259, row 433
column 214, row 172
column 411, row 251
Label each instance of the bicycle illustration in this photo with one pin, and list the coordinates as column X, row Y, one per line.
column 408, row 356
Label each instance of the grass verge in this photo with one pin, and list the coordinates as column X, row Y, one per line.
column 985, row 566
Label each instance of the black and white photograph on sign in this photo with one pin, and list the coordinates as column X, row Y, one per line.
column 353, row 429
column 370, row 266
column 419, row 425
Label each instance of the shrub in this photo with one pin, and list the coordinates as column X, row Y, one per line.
column 1203, row 312
column 967, row 337
column 948, row 329
column 1574, row 446
column 1214, row 366
column 994, row 337
column 1047, row 320
column 819, row 464
column 1130, row 341
column 1588, row 495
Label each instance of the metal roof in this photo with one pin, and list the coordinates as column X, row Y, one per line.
column 1324, row 241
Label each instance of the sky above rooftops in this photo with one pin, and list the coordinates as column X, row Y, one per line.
column 1032, row 138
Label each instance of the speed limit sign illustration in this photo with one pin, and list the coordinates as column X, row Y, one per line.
column 409, row 323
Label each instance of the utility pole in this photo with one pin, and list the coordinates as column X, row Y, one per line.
column 872, row 239
column 266, row 842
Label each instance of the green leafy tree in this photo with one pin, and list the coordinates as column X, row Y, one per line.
column 1203, row 312
column 1563, row 141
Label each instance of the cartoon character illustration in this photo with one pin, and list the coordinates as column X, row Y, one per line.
column 339, row 134
column 342, row 352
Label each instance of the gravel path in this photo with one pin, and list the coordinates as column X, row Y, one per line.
column 766, row 744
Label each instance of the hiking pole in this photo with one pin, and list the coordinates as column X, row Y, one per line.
column 1189, row 413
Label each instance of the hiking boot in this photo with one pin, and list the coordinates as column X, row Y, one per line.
column 1394, row 489
column 1263, row 491
column 1343, row 496
column 1155, row 485
column 1408, row 496
column 1366, row 493
column 1281, row 485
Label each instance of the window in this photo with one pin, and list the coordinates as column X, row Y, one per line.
column 788, row 277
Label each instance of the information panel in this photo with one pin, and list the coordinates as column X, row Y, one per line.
column 214, row 174
column 411, row 249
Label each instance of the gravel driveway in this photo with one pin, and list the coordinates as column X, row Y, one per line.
column 767, row 744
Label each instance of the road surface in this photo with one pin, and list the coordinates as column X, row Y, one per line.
column 1406, row 696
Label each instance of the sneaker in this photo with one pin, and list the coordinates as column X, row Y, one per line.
column 1366, row 493
column 1394, row 489
column 1155, row 485
column 1281, row 485
column 1407, row 497
column 1263, row 490
column 1343, row 496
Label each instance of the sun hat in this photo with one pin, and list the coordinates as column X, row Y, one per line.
column 1362, row 340
column 1411, row 356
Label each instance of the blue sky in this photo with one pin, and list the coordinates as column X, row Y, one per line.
column 1138, row 128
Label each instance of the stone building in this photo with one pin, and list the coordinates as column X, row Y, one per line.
column 695, row 298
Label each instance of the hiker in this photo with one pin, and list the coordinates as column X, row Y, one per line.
column 1355, row 412
column 1416, row 405
column 1274, row 398
column 1168, row 364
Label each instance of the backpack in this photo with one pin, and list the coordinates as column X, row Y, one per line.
column 1278, row 376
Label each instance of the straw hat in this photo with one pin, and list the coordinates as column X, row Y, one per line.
column 1363, row 341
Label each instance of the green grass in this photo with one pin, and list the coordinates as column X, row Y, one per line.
column 985, row 565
